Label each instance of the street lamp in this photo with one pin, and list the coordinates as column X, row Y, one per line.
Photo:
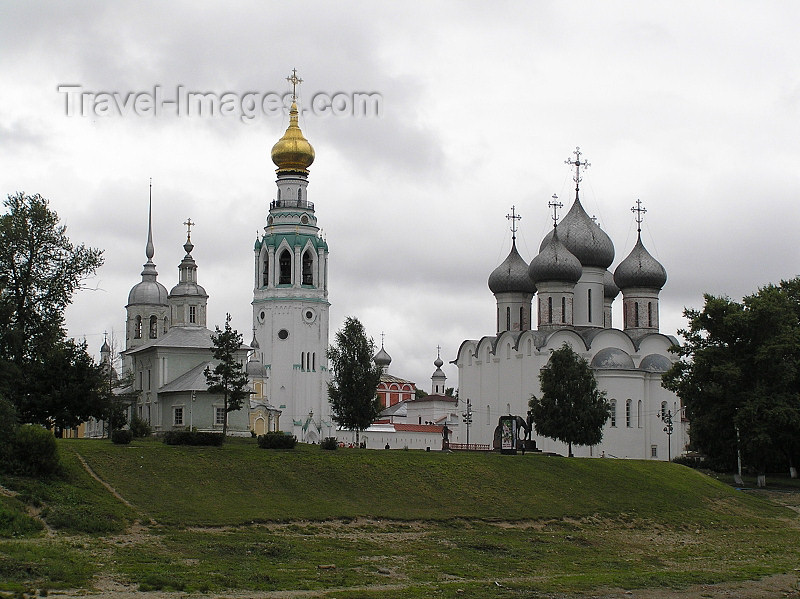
column 467, row 416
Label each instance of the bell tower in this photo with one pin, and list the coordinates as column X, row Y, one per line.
column 290, row 295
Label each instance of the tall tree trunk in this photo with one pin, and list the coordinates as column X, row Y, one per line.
column 225, row 421
column 570, row 449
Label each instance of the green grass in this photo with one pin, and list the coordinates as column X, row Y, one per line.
column 393, row 523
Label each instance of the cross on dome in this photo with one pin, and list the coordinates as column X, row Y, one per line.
column 295, row 81
column 639, row 214
column 555, row 205
column 577, row 164
column 513, row 217
column 189, row 224
column 382, row 336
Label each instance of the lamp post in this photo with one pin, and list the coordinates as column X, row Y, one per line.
column 191, row 411
column 467, row 416
column 667, row 418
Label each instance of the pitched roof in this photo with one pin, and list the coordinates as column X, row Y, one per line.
column 398, row 409
column 433, row 397
column 194, row 380
column 178, row 336
column 390, row 378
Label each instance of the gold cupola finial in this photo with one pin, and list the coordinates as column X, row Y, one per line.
column 293, row 153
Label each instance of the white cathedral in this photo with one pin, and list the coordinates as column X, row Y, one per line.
column 168, row 345
column 574, row 291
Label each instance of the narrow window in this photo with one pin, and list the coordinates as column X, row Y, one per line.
column 178, row 420
column 636, row 314
column 137, row 328
column 549, row 310
column 285, row 263
column 508, row 351
column 563, row 309
column 650, row 314
column 589, row 296
column 193, row 314
column 279, row 195
column 166, row 324
column 530, row 345
column 639, row 422
column 302, row 360
column 265, row 275
column 308, row 263
column 654, row 451
column 613, row 413
column 153, row 326
column 628, row 413
column 508, row 319
column 299, row 194
column 219, row 416
column 314, row 361
column 522, row 318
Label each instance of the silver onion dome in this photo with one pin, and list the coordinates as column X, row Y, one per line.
column 149, row 291
column 511, row 275
column 555, row 263
column 655, row 363
column 640, row 269
column 583, row 238
column 382, row 358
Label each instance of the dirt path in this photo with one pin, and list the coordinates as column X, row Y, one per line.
column 108, row 487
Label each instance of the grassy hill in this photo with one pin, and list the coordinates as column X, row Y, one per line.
column 405, row 523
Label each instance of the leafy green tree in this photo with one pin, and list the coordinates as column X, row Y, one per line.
column 353, row 390
column 228, row 376
column 740, row 369
column 40, row 271
column 64, row 387
column 571, row 409
column 420, row 393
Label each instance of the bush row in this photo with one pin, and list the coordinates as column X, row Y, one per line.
column 193, row 438
column 329, row 443
column 277, row 440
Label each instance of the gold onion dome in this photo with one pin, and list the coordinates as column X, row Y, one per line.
column 292, row 152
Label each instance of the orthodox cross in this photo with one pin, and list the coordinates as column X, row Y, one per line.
column 438, row 351
column 105, row 336
column 555, row 205
column 577, row 164
column 189, row 225
column 295, row 81
column 594, row 218
column 513, row 217
column 639, row 214
column 382, row 336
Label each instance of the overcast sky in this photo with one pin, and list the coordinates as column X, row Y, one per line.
column 690, row 106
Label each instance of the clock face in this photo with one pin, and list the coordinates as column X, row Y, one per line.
column 304, row 219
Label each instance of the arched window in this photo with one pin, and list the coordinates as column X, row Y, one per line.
column 488, row 414
column 137, row 328
column 563, row 309
column 314, row 361
column 488, row 353
column 498, row 318
column 589, row 303
column 285, row 264
column 265, row 272
column 166, row 324
column 308, row 268
column 508, row 351
column 508, row 319
column 522, row 318
column 153, row 326
column 612, row 412
column 299, row 194
column 650, row 314
column 279, row 194
column 636, row 314
column 628, row 413
column 639, row 422
column 549, row 310
column 530, row 346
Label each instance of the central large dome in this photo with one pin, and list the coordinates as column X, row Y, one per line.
column 583, row 238
column 292, row 152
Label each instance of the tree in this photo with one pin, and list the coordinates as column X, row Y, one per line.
column 353, row 390
column 740, row 371
column 228, row 376
column 40, row 271
column 571, row 409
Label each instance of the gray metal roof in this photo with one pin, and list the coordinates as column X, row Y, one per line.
column 583, row 238
column 640, row 269
column 511, row 275
column 194, row 380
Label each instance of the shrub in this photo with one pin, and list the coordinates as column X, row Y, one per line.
column 34, row 452
column 193, row 438
column 140, row 427
column 8, row 430
column 329, row 443
column 277, row 440
column 121, row 437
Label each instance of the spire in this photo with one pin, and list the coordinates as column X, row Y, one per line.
column 292, row 153
column 149, row 249
column 254, row 342
column 577, row 164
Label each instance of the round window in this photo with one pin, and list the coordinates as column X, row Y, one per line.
column 283, row 334
column 304, row 219
column 309, row 315
column 269, row 219
column 261, row 316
